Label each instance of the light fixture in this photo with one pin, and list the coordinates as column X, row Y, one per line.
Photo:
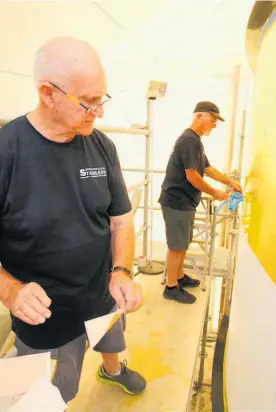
column 156, row 89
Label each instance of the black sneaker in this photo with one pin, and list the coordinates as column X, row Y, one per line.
column 188, row 282
column 179, row 295
column 130, row 381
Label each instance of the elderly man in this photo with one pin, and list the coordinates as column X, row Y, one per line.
column 67, row 237
column 181, row 193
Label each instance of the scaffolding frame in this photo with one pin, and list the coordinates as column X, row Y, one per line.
column 150, row 267
column 201, row 237
column 228, row 275
column 145, row 132
column 212, row 273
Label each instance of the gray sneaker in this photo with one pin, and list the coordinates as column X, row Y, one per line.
column 179, row 295
column 130, row 381
column 188, row 282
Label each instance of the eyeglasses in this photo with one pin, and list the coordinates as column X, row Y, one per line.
column 214, row 118
column 88, row 109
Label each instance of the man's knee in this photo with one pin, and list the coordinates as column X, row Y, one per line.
column 177, row 251
column 69, row 366
column 69, row 358
column 114, row 340
column 68, row 385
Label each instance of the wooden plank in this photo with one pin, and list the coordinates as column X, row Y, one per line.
column 163, row 339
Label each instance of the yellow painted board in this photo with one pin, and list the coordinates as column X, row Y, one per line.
column 260, row 212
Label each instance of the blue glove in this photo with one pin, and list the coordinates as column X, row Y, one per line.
column 234, row 201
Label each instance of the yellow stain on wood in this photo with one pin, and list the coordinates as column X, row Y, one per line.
column 149, row 361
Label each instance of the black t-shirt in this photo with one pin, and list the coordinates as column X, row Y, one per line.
column 188, row 153
column 56, row 200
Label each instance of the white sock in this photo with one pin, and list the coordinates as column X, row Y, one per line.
column 113, row 374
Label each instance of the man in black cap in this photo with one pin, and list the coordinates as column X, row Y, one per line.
column 181, row 193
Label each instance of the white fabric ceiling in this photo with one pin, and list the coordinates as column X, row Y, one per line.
column 156, row 31
column 139, row 41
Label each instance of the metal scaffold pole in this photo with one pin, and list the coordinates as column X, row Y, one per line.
column 147, row 176
column 151, row 266
column 198, row 385
column 235, row 224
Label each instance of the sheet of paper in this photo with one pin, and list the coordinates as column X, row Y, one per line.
column 17, row 375
column 42, row 397
column 97, row 328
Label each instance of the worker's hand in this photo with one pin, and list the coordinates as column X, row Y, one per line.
column 220, row 195
column 235, row 186
column 30, row 303
column 126, row 292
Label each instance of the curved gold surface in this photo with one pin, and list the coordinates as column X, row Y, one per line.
column 260, row 212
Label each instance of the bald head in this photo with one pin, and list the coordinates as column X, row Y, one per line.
column 63, row 59
column 67, row 67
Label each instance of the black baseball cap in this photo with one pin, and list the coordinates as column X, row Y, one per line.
column 210, row 108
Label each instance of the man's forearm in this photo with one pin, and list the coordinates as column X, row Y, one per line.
column 8, row 285
column 122, row 243
column 213, row 173
column 200, row 184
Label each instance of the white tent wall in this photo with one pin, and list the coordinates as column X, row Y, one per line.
column 135, row 39
column 23, row 28
column 25, row 25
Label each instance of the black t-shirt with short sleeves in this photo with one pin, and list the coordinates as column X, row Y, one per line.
column 56, row 200
column 188, row 153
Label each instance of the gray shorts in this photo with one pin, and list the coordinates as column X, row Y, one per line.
column 70, row 357
column 179, row 227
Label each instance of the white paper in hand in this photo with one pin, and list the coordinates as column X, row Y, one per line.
column 97, row 328
column 42, row 397
column 17, row 375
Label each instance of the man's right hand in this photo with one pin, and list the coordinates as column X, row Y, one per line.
column 220, row 195
column 30, row 303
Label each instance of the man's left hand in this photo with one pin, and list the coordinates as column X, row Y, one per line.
column 235, row 186
column 126, row 292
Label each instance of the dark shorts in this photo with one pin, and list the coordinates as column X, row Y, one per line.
column 70, row 357
column 179, row 227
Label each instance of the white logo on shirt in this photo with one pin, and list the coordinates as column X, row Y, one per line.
column 90, row 172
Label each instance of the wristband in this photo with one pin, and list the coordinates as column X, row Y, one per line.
column 122, row 269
